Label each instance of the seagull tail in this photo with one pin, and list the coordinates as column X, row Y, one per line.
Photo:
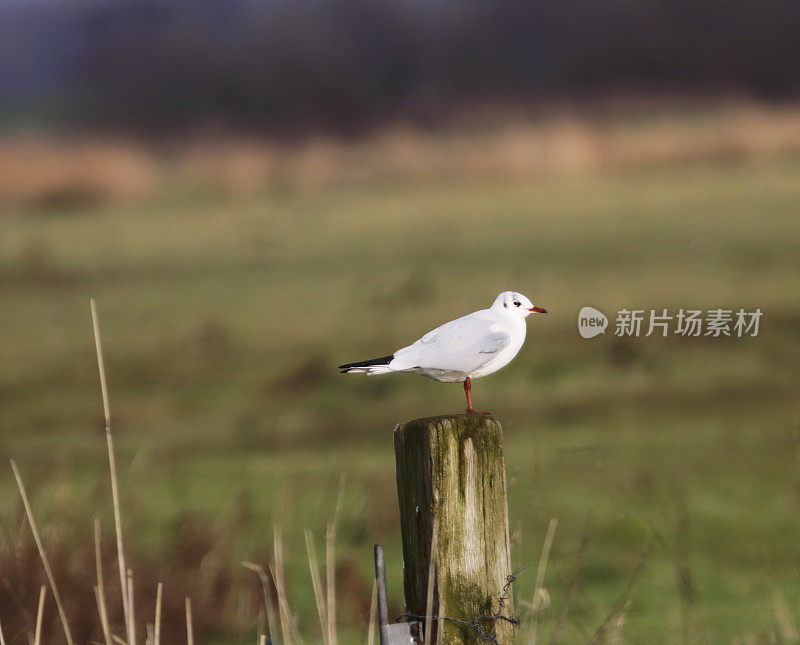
column 374, row 366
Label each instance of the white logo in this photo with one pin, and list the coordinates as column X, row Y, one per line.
column 591, row 322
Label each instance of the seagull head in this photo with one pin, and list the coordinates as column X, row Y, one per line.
column 515, row 305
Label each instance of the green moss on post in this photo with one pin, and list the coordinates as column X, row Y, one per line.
column 451, row 469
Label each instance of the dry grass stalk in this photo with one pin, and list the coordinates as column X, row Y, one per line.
column 330, row 581
column 189, row 629
column 284, row 614
column 99, row 590
column 37, row 639
column 157, row 629
column 103, row 611
column 330, row 564
column 2, row 638
column 277, row 575
column 316, row 583
column 130, row 608
column 262, row 639
column 268, row 599
column 617, row 633
column 373, row 610
column 113, row 471
column 538, row 594
column 288, row 629
column 45, row 562
column 431, row 581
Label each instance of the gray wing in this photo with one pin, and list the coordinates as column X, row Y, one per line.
column 462, row 345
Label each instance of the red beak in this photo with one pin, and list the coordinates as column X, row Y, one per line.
column 538, row 310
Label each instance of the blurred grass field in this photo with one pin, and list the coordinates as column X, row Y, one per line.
column 223, row 319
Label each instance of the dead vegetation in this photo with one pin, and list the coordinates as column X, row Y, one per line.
column 62, row 174
column 199, row 593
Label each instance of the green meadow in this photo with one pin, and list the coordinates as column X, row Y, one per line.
column 672, row 465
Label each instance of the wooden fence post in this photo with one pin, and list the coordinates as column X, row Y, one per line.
column 451, row 470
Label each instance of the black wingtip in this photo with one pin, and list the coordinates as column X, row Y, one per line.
column 384, row 360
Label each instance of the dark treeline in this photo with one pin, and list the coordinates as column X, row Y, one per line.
column 284, row 66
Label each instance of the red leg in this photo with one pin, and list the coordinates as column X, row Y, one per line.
column 468, row 392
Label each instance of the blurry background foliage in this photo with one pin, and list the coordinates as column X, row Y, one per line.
column 256, row 192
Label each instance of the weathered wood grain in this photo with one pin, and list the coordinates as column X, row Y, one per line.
column 451, row 469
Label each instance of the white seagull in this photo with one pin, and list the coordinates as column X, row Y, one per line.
column 469, row 347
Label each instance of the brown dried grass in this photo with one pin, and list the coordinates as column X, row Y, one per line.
column 42, row 173
column 47, row 173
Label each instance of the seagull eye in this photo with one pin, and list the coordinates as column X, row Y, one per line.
column 516, row 303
